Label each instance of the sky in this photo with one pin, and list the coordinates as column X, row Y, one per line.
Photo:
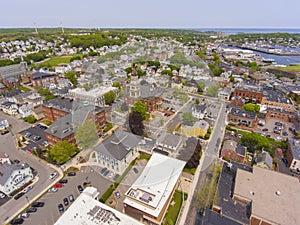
column 151, row 14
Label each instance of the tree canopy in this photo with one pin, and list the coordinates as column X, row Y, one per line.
column 109, row 97
column 251, row 107
column 141, row 108
column 72, row 76
column 188, row 118
column 212, row 91
column 201, row 86
column 255, row 142
column 62, row 152
column 136, row 123
column 86, row 134
column 195, row 158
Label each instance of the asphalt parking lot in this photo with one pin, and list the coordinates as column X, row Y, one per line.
column 49, row 213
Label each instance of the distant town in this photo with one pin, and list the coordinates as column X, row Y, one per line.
column 149, row 126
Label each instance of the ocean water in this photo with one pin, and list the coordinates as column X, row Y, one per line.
column 251, row 30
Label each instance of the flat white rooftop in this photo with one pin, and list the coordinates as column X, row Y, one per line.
column 95, row 92
column 151, row 190
column 85, row 210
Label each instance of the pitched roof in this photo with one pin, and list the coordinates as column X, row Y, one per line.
column 119, row 144
column 265, row 158
column 7, row 169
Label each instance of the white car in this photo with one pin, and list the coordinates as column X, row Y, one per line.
column 52, row 175
column 2, row 195
column 53, row 189
column 27, row 189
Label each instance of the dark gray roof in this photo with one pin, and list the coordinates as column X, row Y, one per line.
column 13, row 93
column 242, row 113
column 169, row 139
column 118, row 145
column 295, row 148
column 200, row 108
column 264, row 157
column 38, row 75
column 62, row 127
column 241, row 150
column 147, row 91
column 214, row 218
column 7, row 169
column 63, row 104
column 275, row 96
column 12, row 70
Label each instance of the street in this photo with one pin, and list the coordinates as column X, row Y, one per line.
column 8, row 143
column 209, row 156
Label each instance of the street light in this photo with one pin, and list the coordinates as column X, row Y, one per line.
column 27, row 199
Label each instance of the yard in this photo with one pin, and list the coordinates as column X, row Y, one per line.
column 56, row 60
column 174, row 208
column 295, row 68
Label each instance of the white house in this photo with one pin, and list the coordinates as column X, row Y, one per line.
column 170, row 143
column 199, row 111
column 25, row 110
column 3, row 124
column 13, row 177
column 63, row 68
column 10, row 108
column 4, row 159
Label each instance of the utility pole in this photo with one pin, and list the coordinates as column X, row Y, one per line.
column 62, row 28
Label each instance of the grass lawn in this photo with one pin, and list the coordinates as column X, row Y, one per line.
column 173, row 210
column 56, row 60
column 190, row 170
column 24, row 89
column 295, row 68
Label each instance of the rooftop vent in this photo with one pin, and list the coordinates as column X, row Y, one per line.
column 278, row 193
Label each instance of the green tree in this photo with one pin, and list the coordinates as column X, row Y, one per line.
column 197, row 101
column 76, row 57
column 167, row 72
column 141, row 108
column 231, row 79
column 109, row 97
column 30, row 119
column 116, row 84
column 188, row 118
column 251, row 107
column 212, row 91
column 201, row 86
column 62, row 152
column 72, row 76
column 256, row 142
column 86, row 134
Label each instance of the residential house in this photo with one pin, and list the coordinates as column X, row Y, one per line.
column 38, row 113
column 243, row 117
column 25, row 110
column 14, row 176
column 169, row 143
column 148, row 198
column 270, row 194
column 232, row 150
column 224, row 93
column 63, row 68
column 264, row 160
column 199, row 111
column 199, row 129
column 3, row 124
column 118, row 151
column 293, row 155
column 9, row 108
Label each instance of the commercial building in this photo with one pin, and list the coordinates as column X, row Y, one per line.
column 93, row 97
column 148, row 198
column 44, row 79
column 274, row 197
column 280, row 114
column 117, row 152
column 11, row 75
column 87, row 210
column 243, row 117
column 249, row 91
column 56, row 108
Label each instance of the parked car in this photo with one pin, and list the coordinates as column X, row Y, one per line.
column 53, row 189
column 117, row 194
column 64, row 181
column 105, row 173
column 135, row 170
column 16, row 161
column 19, row 195
column 27, row 135
column 52, row 175
column 60, row 207
column 42, row 127
column 17, row 221
column 285, row 161
column 71, row 198
column 71, row 174
column 31, row 210
column 58, row 185
column 37, row 204
column 265, row 129
column 103, row 170
column 80, row 188
column 2, row 195
column 27, row 189
column 66, row 202
column 285, row 133
column 5, row 132
column 24, row 215
column 278, row 124
column 116, row 176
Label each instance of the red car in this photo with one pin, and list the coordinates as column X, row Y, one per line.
column 58, row 185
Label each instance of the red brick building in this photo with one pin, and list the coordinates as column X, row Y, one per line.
column 233, row 151
column 248, row 96
column 280, row 114
column 243, row 117
column 153, row 104
column 43, row 79
column 57, row 108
